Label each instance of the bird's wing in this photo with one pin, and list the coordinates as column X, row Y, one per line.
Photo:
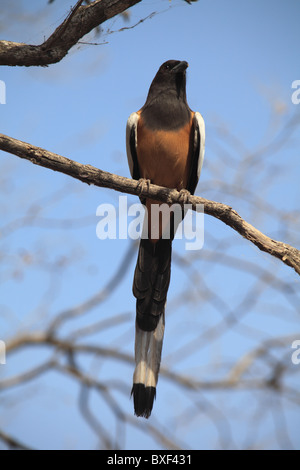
column 198, row 152
column 131, row 145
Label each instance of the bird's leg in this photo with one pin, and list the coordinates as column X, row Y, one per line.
column 142, row 185
column 183, row 197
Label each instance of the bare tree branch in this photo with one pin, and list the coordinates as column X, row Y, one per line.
column 27, row 376
column 100, row 296
column 80, row 21
column 65, row 357
column 11, row 442
column 235, row 379
column 91, row 175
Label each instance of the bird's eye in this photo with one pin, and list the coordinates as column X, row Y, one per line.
column 167, row 67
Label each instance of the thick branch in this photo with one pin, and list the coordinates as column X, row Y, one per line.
column 80, row 21
column 91, row 175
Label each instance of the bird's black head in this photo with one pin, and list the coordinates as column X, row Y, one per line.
column 172, row 67
column 171, row 77
column 166, row 106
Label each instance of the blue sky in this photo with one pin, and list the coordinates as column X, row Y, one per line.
column 243, row 59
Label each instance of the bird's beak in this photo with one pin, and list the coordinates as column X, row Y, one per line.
column 181, row 67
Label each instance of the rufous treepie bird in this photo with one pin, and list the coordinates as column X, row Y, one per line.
column 165, row 145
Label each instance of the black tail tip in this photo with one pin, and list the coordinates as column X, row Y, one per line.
column 143, row 398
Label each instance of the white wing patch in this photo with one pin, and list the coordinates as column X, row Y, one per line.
column 131, row 125
column 199, row 125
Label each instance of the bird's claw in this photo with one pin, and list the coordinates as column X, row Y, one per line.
column 142, row 185
column 183, row 197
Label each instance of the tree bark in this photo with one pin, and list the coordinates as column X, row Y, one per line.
column 80, row 21
column 91, row 175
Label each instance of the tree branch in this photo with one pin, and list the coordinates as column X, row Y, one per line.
column 80, row 21
column 11, row 442
column 234, row 380
column 91, row 175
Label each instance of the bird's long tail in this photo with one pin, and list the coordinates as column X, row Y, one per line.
column 150, row 287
